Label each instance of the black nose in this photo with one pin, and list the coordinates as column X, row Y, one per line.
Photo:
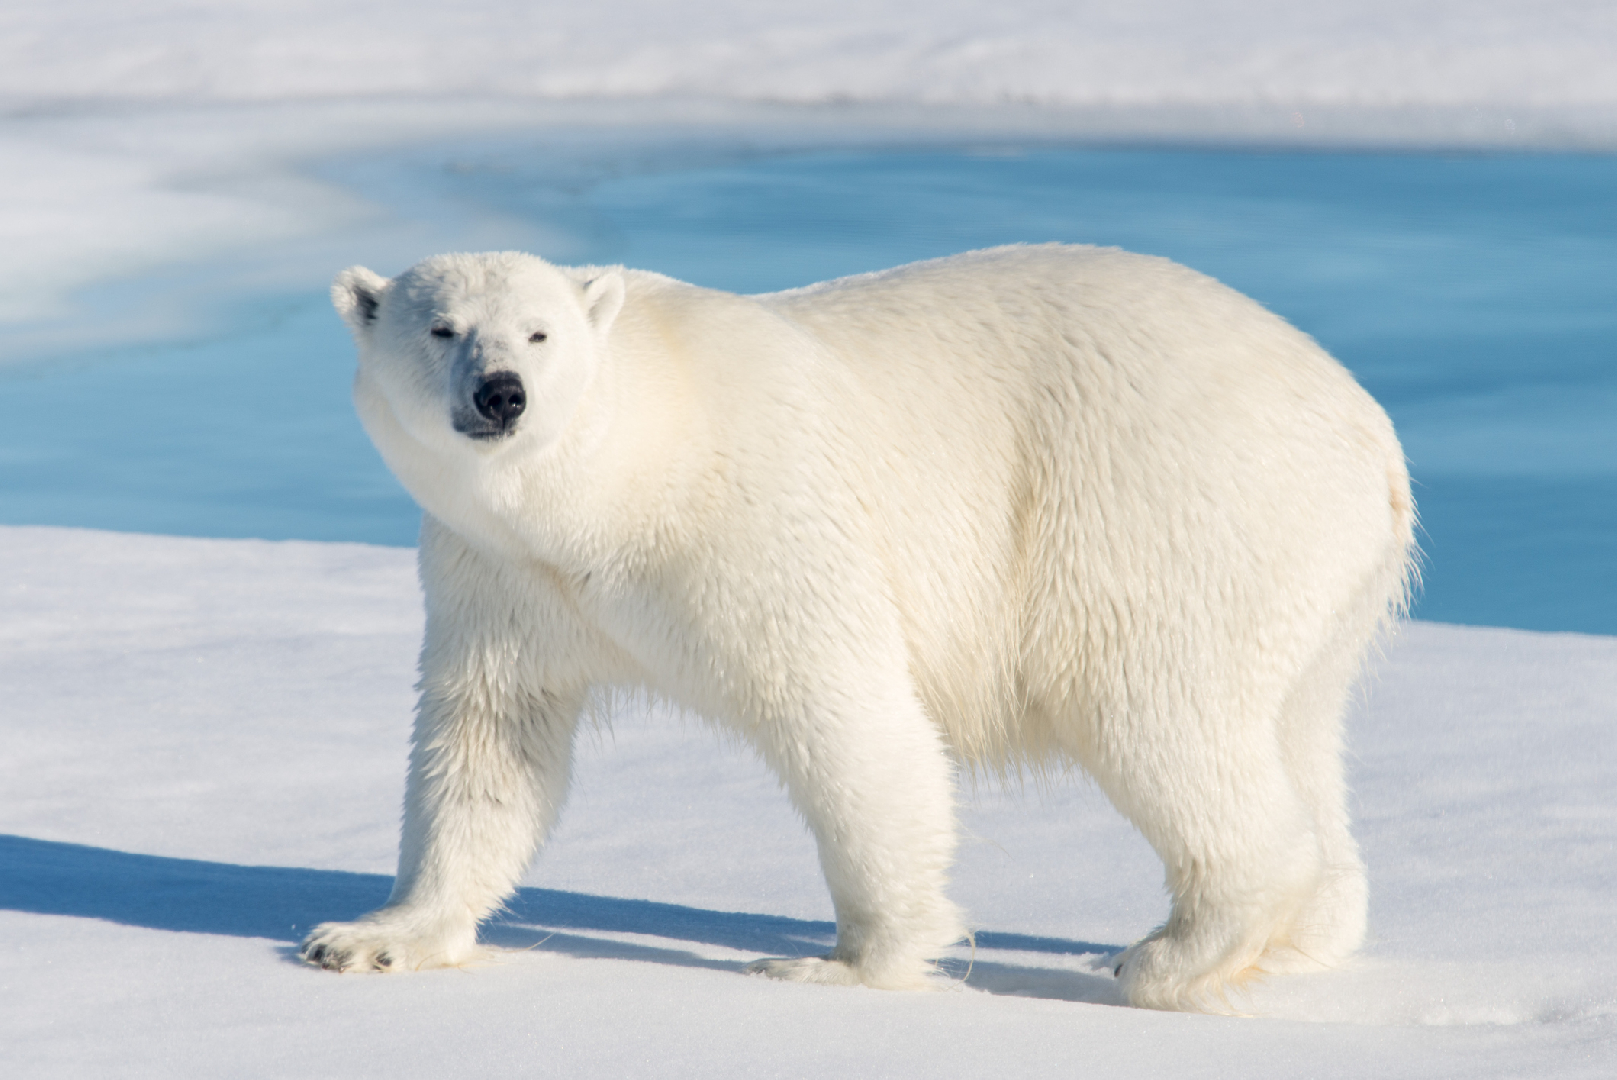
column 499, row 397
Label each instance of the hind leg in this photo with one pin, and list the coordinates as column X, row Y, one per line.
column 1213, row 796
column 1330, row 925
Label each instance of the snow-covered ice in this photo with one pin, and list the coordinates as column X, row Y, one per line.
column 1517, row 53
column 205, row 746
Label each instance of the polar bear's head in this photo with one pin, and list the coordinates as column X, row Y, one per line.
column 475, row 353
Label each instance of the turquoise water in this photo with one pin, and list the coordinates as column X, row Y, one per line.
column 1475, row 296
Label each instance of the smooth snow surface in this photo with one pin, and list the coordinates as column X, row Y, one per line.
column 205, row 747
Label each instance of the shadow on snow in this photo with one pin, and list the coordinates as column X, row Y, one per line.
column 282, row 903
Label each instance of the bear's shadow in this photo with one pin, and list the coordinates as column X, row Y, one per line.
column 281, row 903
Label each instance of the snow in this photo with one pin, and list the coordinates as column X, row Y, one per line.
column 205, row 739
column 139, row 136
column 1079, row 52
column 205, row 755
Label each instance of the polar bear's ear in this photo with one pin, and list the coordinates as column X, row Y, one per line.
column 603, row 299
column 356, row 294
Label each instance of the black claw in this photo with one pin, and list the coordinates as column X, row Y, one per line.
column 1117, row 972
column 325, row 956
column 384, row 961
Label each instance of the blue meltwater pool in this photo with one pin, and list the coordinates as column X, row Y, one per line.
column 1474, row 295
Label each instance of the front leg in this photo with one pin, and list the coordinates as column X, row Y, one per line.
column 869, row 771
column 485, row 786
column 489, row 768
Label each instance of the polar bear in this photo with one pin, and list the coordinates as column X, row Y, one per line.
column 1025, row 506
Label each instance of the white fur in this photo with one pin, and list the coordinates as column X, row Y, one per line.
column 1023, row 506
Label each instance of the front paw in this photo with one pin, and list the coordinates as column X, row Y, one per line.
column 384, row 945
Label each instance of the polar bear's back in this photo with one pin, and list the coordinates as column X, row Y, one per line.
column 1096, row 464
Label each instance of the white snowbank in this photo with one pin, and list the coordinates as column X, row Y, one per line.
column 1545, row 53
column 205, row 749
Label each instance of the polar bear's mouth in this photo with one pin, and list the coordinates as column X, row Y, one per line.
column 482, row 432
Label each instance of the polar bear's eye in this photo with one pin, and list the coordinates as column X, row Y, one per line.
column 442, row 331
column 536, row 337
